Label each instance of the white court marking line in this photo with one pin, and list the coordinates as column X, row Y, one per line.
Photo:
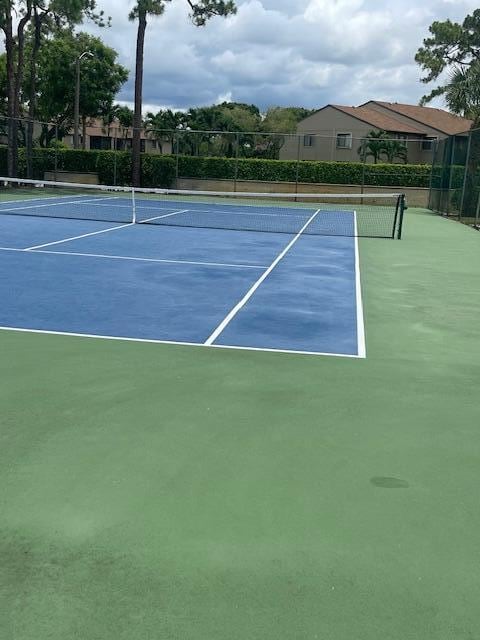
column 177, row 343
column 361, row 339
column 222, row 211
column 226, row 321
column 58, row 204
column 167, row 215
column 136, row 259
column 10, row 202
column 84, row 235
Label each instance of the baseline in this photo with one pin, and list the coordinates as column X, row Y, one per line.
column 176, row 343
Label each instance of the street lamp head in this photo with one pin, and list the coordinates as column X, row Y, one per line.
column 86, row 53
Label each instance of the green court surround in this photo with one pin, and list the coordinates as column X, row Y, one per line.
column 175, row 493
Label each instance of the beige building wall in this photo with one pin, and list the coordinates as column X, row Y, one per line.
column 328, row 123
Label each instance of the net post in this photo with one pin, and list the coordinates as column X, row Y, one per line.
column 402, row 207
column 134, row 207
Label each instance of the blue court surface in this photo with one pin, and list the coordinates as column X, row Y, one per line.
column 290, row 291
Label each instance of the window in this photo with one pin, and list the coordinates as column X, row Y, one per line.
column 428, row 144
column 344, row 140
column 124, row 144
column 100, row 142
column 308, row 141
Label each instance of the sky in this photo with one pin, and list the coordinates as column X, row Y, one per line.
column 281, row 52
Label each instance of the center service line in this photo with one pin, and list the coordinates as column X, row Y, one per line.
column 221, row 327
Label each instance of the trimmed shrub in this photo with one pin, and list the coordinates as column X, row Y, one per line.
column 113, row 167
column 397, row 175
column 158, row 171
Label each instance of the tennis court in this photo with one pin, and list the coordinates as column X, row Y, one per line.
column 231, row 271
column 155, row 490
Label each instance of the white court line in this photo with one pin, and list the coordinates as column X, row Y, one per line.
column 175, row 343
column 361, row 340
column 58, row 204
column 222, row 211
column 10, row 202
column 167, row 215
column 226, row 321
column 136, row 259
column 84, row 235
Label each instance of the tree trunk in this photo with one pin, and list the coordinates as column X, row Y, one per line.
column 32, row 98
column 7, row 28
column 17, row 85
column 137, row 118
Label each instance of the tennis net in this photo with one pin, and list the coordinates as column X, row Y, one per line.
column 368, row 215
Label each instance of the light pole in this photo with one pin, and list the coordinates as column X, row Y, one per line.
column 76, row 115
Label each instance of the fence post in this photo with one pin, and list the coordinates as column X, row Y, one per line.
column 464, row 187
column 115, row 152
column 430, row 188
column 297, row 174
column 55, row 169
column 363, row 143
column 477, row 213
column 450, row 174
column 176, row 142
column 237, row 148
column 29, row 149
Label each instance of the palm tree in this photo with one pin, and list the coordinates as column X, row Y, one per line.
column 462, row 92
column 163, row 125
column 373, row 146
column 393, row 149
column 142, row 9
column 125, row 117
column 201, row 11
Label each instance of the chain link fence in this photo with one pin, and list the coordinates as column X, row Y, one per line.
column 228, row 159
column 455, row 180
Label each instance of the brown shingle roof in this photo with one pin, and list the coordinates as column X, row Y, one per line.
column 380, row 120
column 440, row 119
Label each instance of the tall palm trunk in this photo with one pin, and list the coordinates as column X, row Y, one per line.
column 137, row 118
column 17, row 85
column 9, row 47
column 32, row 98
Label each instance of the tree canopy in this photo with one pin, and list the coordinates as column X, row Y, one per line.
column 102, row 78
column 453, row 48
column 200, row 12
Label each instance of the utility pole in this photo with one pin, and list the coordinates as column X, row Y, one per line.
column 76, row 115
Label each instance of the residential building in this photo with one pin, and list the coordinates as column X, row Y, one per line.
column 335, row 132
column 99, row 136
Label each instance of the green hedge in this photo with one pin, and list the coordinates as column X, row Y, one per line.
column 159, row 171
column 112, row 167
column 397, row 175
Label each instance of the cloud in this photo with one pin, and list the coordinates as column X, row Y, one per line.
column 281, row 52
